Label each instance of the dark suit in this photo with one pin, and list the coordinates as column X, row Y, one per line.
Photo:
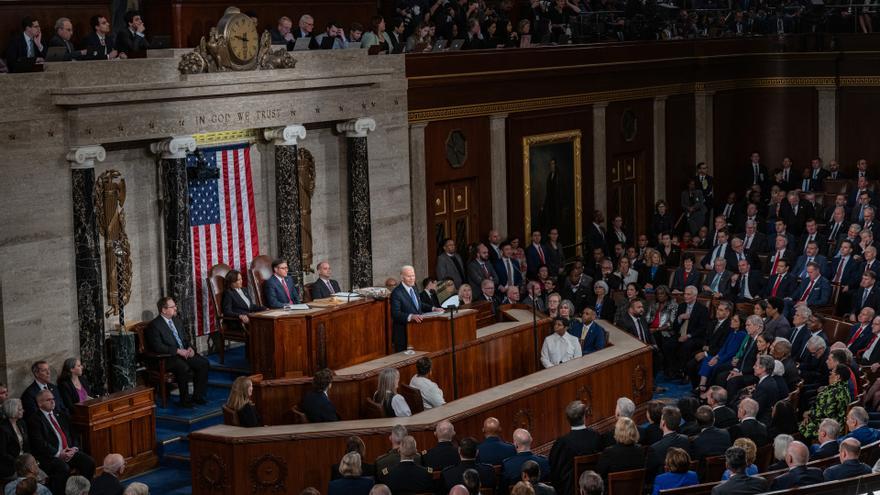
column 533, row 260
column 596, row 236
column 441, row 456
column 801, row 264
column 678, row 353
column 402, row 306
column 44, row 445
column 820, row 294
column 711, row 441
column 451, row 267
column 29, row 398
column 453, row 475
column 750, row 428
column 477, row 273
column 608, row 309
column 679, row 281
column 872, row 300
column 798, row 476
column 70, row 53
column 511, row 468
column 320, row 289
column 278, row 39
column 741, row 484
column 851, row 274
column 657, row 452
column 796, row 221
column 128, row 42
column 627, row 323
column 106, row 484
column 494, row 450
column 756, row 285
column 648, row 434
column 17, row 53
column 69, row 394
column 725, row 417
column 819, row 238
column 766, row 394
column 830, row 449
column 785, row 289
column 94, row 49
column 160, row 339
column 565, row 448
column 318, row 407
column 620, row 457
column 847, row 469
column 502, row 272
column 234, row 305
column 10, row 449
column 407, row 477
column 275, row 295
column 728, row 255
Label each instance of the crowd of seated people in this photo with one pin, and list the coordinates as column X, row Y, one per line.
column 40, row 450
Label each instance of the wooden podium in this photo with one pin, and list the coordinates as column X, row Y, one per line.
column 122, row 423
column 434, row 333
column 298, row 343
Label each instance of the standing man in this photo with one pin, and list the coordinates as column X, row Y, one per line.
column 450, row 265
column 324, row 286
column 405, row 307
column 480, row 269
column 165, row 335
column 536, row 256
column 280, row 288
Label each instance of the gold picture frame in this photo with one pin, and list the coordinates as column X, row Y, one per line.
column 564, row 150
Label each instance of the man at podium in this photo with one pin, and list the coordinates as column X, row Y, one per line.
column 280, row 288
column 405, row 307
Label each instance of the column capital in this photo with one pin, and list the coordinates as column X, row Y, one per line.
column 357, row 127
column 285, row 136
column 600, row 105
column 174, row 147
column 84, row 156
column 498, row 116
column 660, row 98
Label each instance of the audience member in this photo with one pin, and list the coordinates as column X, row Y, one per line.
column 136, row 488
column 26, row 47
column 393, row 404
column 749, row 426
column 352, row 480
column 827, row 444
column 99, row 43
column 71, row 383
column 355, row 444
column 581, row 440
column 26, row 468
column 739, row 482
column 669, row 424
column 467, row 451
column 591, row 483
column 63, row 34
column 132, row 40
column 677, row 473
column 711, row 441
column 850, row 466
column 716, row 398
column 796, row 457
column 432, row 396
column 316, row 404
column 42, row 375
column 444, row 454
column 13, row 437
column 166, row 335
column 108, row 483
column 240, row 402
column 831, row 402
column 78, row 485
column 857, row 425
column 751, row 455
column 408, row 476
column 625, row 453
column 560, row 346
column 511, row 468
column 282, row 34
column 493, row 450
column 389, row 460
column 531, row 474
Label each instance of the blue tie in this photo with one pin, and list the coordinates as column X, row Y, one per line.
column 174, row 332
column 415, row 300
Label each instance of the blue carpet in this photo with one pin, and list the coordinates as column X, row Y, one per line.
column 674, row 389
column 166, row 481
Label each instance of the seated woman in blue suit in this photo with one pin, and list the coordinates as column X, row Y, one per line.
column 351, row 482
column 236, row 303
column 677, row 474
column 728, row 350
column 589, row 333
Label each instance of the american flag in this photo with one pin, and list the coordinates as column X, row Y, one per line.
column 223, row 220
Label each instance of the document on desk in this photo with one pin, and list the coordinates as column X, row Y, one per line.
column 433, row 314
column 344, row 295
column 297, row 307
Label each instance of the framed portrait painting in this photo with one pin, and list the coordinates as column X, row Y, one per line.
column 552, row 185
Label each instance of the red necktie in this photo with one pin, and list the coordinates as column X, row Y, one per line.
column 59, row 431
column 776, row 286
column 839, row 271
column 855, row 336
column 862, row 352
column 541, row 255
column 286, row 290
column 807, row 292
column 485, row 270
column 776, row 262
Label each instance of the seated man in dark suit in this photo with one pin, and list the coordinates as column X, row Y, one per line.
column 739, row 482
column 649, row 433
column 781, row 285
column 324, row 286
column 108, row 483
column 316, row 403
column 132, row 39
column 405, row 307
column 711, row 441
column 444, row 454
column 42, row 375
column 579, row 441
column 656, row 457
column 827, row 445
column 716, row 398
column 531, row 474
column 467, row 452
column 512, row 466
column 167, row 335
column 798, row 473
column 26, row 47
column 493, row 450
column 99, row 44
column 748, row 426
column 280, row 289
column 53, row 445
column 850, row 466
column 63, row 33
column 409, row 477
column 766, row 392
column 283, row 35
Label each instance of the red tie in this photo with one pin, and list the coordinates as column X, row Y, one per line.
column 59, row 431
column 839, row 271
column 807, row 292
column 863, row 351
column 776, row 286
column 286, row 290
column 541, row 255
column 776, row 262
column 485, row 270
column 855, row 336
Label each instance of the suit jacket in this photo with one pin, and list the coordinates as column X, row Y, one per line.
column 778, row 327
column 44, row 443
column 274, row 294
column 820, row 239
column 429, row 297
column 798, row 338
column 128, row 42
column 766, row 394
column 29, row 398
column 723, row 282
column 648, row 435
column 106, row 484
column 759, row 242
column 408, row 477
column 565, row 448
column 729, row 256
column 511, row 468
column 160, row 339
column 798, row 476
column 70, row 53
column 657, row 452
column 756, row 285
column 788, row 255
column 711, row 441
column 494, row 450
column 453, row 475
column 801, row 264
column 446, row 269
column 820, row 294
column 679, row 282
column 750, row 428
column 16, row 52
column 534, row 261
column 596, row 236
column 830, row 449
column 874, row 266
column 609, row 308
column 318, row 407
column 620, row 457
column 402, row 306
column 851, row 275
column 10, row 449
column 699, row 323
column 502, row 273
column 715, row 337
column 441, row 456
column 94, row 50
column 626, row 323
column 320, row 290
column 796, row 222
column 847, row 469
column 476, row 275
column 69, row 395
column 725, row 417
column 741, row 484
column 234, row 305
column 786, row 287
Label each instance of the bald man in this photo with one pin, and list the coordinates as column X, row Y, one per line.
column 444, row 454
column 493, row 450
column 850, row 466
column 511, row 468
column 108, row 483
column 798, row 473
column 405, row 307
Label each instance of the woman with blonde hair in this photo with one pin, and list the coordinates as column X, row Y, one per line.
column 751, row 453
column 465, row 295
column 626, row 453
column 240, row 401
column 352, row 481
column 386, row 394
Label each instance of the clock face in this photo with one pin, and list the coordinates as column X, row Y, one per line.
column 456, row 149
column 242, row 38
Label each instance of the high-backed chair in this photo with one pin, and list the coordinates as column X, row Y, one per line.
column 228, row 327
column 230, row 417
column 626, row 482
column 582, row 463
column 259, row 272
column 371, row 409
column 154, row 363
column 715, row 466
column 413, row 397
column 299, row 417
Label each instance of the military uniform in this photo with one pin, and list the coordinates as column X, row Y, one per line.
column 408, row 477
column 442, row 455
column 388, row 461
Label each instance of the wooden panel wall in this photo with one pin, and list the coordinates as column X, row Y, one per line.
column 526, row 124
column 858, row 109
column 680, row 148
column 775, row 122
column 641, row 146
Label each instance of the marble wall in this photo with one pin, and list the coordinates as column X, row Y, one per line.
column 72, row 104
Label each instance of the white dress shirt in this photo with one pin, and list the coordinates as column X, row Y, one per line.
column 432, row 396
column 400, row 407
column 558, row 349
column 57, row 435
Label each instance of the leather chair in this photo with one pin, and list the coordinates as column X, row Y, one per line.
column 259, row 272
column 154, row 363
column 299, row 417
column 228, row 327
column 230, row 417
column 413, row 398
column 371, row 409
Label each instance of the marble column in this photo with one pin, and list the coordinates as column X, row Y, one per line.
column 418, row 199
column 827, row 124
column 360, row 247
column 90, row 308
column 704, row 126
column 600, row 160
column 178, row 234
column 660, row 148
column 498, row 158
column 287, row 206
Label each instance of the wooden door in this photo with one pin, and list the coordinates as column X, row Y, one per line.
column 628, row 192
column 454, row 215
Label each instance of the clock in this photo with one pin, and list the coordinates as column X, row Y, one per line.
column 456, row 149
column 242, row 39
